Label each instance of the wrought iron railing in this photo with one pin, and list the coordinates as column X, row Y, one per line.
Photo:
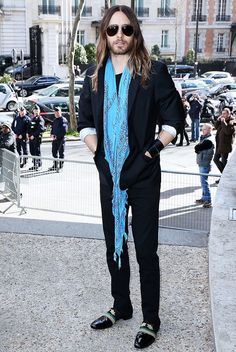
column 49, row 10
column 166, row 12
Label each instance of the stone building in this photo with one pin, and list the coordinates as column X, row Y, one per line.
column 41, row 28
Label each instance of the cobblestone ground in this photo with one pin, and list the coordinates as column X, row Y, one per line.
column 51, row 288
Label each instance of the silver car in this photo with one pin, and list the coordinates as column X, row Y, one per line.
column 8, row 97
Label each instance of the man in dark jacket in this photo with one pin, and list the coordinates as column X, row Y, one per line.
column 35, row 132
column 225, row 133
column 205, row 152
column 123, row 99
column 20, row 126
column 7, row 138
column 7, row 172
column 195, row 112
column 59, row 129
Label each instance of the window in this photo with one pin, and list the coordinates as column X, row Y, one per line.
column 220, row 43
column 222, row 8
column 81, row 37
column 48, row 6
column 199, row 46
column 164, row 39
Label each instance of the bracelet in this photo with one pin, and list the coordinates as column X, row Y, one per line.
column 155, row 149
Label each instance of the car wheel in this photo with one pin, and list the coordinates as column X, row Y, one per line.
column 18, row 76
column 11, row 106
column 23, row 93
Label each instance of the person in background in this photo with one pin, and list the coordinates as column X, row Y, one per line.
column 184, row 133
column 20, row 125
column 225, row 134
column 205, row 152
column 195, row 112
column 123, row 99
column 7, row 137
column 35, row 132
column 59, row 129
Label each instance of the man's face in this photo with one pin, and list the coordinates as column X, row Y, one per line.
column 5, row 129
column 205, row 130
column 225, row 115
column 119, row 44
column 57, row 114
column 22, row 113
column 36, row 112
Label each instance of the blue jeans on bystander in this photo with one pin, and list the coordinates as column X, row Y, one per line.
column 206, row 194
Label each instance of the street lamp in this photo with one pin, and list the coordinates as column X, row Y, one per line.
column 196, row 39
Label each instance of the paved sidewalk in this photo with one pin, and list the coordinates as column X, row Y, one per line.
column 51, row 288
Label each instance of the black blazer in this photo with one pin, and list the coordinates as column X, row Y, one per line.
column 158, row 102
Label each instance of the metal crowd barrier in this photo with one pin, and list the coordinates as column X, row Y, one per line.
column 75, row 190
column 9, row 178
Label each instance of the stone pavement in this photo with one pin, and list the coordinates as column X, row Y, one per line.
column 51, row 288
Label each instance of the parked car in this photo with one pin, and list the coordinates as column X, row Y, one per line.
column 194, row 85
column 180, row 71
column 219, row 76
column 34, row 83
column 5, row 61
column 8, row 98
column 221, row 88
column 19, row 71
column 47, row 106
column 55, row 90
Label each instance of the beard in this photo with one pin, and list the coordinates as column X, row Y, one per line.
column 122, row 49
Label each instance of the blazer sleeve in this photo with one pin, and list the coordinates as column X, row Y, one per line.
column 85, row 116
column 170, row 106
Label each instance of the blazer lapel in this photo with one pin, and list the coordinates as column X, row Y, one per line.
column 100, row 99
column 133, row 88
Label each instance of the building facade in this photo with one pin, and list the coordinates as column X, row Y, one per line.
column 170, row 24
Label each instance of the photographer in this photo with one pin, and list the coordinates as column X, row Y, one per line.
column 195, row 112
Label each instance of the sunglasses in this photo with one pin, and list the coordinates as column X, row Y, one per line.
column 126, row 29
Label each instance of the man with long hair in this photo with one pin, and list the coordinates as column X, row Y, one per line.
column 123, row 99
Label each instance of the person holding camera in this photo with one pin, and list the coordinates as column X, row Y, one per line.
column 196, row 105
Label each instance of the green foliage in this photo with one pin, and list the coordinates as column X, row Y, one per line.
column 80, row 55
column 73, row 133
column 189, row 58
column 5, row 78
column 155, row 50
column 154, row 57
column 91, row 53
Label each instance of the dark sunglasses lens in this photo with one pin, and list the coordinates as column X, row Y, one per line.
column 128, row 30
column 112, row 30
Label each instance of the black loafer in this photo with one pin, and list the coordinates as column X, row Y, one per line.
column 108, row 320
column 145, row 337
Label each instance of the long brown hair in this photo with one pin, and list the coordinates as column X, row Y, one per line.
column 139, row 60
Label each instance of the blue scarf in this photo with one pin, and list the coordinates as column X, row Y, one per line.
column 116, row 146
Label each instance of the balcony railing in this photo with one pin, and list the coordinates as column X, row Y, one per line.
column 166, row 12
column 142, row 11
column 220, row 50
column 49, row 10
column 87, row 11
column 201, row 18
column 223, row 18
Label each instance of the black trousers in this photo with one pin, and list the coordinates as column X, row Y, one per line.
column 21, row 147
column 35, row 150
column 220, row 160
column 143, row 198
column 58, row 148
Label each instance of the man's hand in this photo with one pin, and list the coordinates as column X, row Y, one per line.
column 31, row 138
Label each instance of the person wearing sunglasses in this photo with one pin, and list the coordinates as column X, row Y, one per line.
column 123, row 99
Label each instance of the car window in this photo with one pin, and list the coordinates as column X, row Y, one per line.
column 62, row 92
column 3, row 89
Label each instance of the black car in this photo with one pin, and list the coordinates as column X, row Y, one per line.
column 33, row 83
column 47, row 106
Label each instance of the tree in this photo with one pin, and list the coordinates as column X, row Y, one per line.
column 189, row 58
column 71, row 55
column 90, row 53
column 155, row 50
column 80, row 55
